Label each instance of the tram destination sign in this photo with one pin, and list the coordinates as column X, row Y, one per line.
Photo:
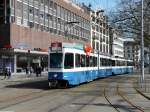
column 57, row 46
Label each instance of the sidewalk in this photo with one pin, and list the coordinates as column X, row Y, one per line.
column 20, row 77
column 143, row 88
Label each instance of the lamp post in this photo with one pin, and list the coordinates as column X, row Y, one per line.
column 5, row 12
column 149, row 59
column 142, row 44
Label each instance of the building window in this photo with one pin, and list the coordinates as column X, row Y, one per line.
column 31, row 24
column 36, row 12
column 55, row 6
column 31, row 10
column 42, row 1
column 12, row 3
column 12, row 19
column 51, row 4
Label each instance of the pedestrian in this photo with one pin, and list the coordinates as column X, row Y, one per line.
column 5, row 72
column 9, row 73
column 26, row 70
column 31, row 70
column 40, row 70
column 37, row 71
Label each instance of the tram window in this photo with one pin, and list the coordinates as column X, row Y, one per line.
column 77, row 60
column 56, row 60
column 87, row 61
column 120, row 63
column 91, row 61
column 125, row 63
column 113, row 62
column 83, row 61
column 117, row 63
column 110, row 62
column 69, row 59
column 130, row 63
column 107, row 62
column 95, row 61
column 103, row 62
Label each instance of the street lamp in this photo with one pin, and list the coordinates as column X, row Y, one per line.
column 5, row 12
column 142, row 43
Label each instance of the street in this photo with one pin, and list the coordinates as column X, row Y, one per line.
column 111, row 94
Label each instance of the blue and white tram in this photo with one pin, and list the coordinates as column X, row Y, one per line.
column 69, row 65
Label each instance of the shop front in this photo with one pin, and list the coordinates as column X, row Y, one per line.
column 18, row 60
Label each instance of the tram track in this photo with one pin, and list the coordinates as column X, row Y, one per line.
column 128, row 101
column 70, row 101
column 137, row 92
column 132, row 81
column 74, row 100
column 34, row 95
column 108, row 100
column 132, row 108
column 141, row 93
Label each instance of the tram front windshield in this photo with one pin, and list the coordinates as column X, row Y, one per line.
column 56, row 60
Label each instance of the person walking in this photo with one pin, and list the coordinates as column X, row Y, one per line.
column 9, row 73
column 26, row 70
column 5, row 72
column 40, row 70
column 37, row 72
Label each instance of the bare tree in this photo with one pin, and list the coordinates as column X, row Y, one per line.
column 127, row 17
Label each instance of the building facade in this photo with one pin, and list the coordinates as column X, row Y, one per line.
column 100, row 32
column 132, row 51
column 117, row 43
column 27, row 27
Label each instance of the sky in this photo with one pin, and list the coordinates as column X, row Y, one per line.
column 107, row 5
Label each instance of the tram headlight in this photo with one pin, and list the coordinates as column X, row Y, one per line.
column 55, row 75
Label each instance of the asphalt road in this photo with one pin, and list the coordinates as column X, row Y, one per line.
column 116, row 93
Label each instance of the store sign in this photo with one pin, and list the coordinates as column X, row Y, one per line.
column 56, row 46
column 22, row 45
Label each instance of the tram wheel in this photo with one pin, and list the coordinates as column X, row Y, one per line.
column 62, row 84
